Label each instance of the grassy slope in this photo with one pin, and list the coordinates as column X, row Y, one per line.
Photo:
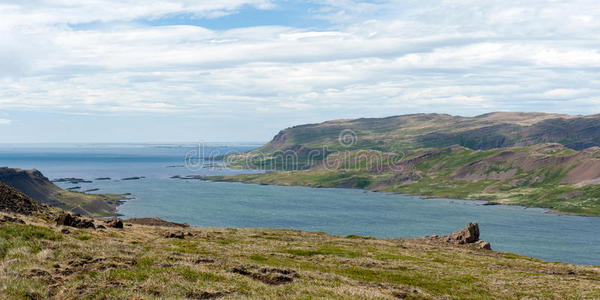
column 435, row 177
column 546, row 186
column 37, row 186
column 99, row 205
column 137, row 262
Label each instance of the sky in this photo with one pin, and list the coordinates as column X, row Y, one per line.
column 241, row 70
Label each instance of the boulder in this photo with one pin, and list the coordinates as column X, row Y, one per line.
column 11, row 220
column 66, row 219
column 483, row 245
column 467, row 235
column 115, row 223
column 174, row 235
column 87, row 223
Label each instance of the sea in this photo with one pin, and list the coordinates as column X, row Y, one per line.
column 526, row 231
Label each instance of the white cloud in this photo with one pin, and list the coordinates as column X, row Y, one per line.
column 5, row 121
column 460, row 57
column 33, row 13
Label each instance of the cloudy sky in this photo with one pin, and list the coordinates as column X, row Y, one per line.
column 241, row 70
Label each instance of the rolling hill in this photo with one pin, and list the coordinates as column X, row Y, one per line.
column 408, row 132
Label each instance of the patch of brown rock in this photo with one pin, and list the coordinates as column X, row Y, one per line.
column 272, row 276
column 177, row 234
column 468, row 235
column 13, row 201
column 75, row 220
column 10, row 219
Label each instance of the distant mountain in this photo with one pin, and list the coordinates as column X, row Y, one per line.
column 35, row 185
column 488, row 131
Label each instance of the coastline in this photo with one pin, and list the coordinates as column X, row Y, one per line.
column 239, row 179
column 95, row 205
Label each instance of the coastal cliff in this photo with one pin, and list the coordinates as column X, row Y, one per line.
column 37, row 186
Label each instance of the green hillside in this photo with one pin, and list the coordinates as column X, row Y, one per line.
column 506, row 158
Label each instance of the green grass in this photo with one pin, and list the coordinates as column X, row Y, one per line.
column 16, row 236
column 541, row 187
column 42, row 263
column 324, row 251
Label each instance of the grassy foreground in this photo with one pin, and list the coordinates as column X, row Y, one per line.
column 138, row 262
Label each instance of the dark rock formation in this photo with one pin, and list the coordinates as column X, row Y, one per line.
column 134, row 178
column 11, row 220
column 175, row 235
column 66, row 219
column 72, row 180
column 483, row 245
column 468, row 235
column 115, row 223
column 13, row 201
column 199, row 177
column 272, row 276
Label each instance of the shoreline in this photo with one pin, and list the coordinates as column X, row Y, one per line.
column 488, row 202
column 470, row 205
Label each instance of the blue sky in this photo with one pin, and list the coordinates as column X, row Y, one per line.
column 241, row 70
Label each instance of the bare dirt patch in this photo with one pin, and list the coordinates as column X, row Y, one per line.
column 271, row 276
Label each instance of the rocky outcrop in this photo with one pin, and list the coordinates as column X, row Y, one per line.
column 134, row 178
column 468, row 235
column 72, row 180
column 483, row 245
column 114, row 223
column 11, row 220
column 177, row 235
column 66, row 219
column 271, row 276
column 13, row 201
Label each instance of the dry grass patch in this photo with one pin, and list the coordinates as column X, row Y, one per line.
column 38, row 262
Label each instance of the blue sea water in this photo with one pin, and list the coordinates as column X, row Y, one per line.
column 526, row 231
